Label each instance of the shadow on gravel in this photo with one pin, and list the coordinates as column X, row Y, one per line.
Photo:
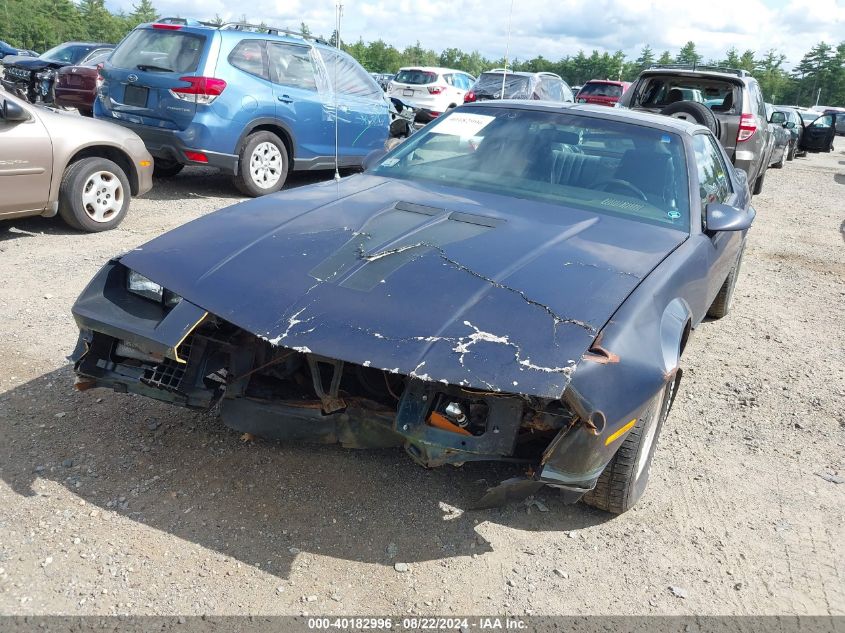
column 202, row 182
column 33, row 226
column 840, row 178
column 261, row 502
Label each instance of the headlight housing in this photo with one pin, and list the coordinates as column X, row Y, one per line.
column 137, row 284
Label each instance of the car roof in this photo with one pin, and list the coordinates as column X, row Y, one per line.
column 434, row 69
column 707, row 74
column 607, row 81
column 646, row 119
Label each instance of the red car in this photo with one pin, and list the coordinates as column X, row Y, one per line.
column 76, row 86
column 602, row 92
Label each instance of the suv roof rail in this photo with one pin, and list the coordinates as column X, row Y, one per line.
column 272, row 30
column 706, row 67
column 241, row 26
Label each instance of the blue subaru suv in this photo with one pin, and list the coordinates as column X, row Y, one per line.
column 255, row 102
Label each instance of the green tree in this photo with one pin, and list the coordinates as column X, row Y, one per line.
column 645, row 59
column 665, row 58
column 142, row 12
column 688, row 54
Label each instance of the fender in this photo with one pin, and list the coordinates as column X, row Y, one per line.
column 269, row 121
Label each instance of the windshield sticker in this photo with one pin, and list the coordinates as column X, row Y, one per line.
column 390, row 162
column 462, row 124
column 665, row 139
column 674, row 215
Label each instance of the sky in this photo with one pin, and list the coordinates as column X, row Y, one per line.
column 552, row 29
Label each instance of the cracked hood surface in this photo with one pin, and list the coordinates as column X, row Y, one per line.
column 444, row 284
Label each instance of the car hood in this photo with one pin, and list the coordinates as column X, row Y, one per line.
column 469, row 288
column 29, row 63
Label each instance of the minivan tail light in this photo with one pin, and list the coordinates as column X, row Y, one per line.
column 747, row 127
column 436, row 90
column 167, row 27
column 202, row 90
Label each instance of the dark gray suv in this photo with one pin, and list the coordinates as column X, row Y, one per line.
column 727, row 101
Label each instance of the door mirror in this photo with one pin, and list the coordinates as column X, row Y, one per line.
column 789, row 125
column 722, row 217
column 777, row 117
column 371, row 159
column 11, row 111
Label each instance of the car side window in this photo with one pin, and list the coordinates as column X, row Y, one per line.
column 291, row 65
column 248, row 56
column 349, row 77
column 824, row 121
column 713, row 182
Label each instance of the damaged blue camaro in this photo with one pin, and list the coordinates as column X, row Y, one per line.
column 516, row 282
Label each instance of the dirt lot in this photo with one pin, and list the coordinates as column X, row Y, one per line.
column 114, row 503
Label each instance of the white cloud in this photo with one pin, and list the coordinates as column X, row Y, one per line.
column 551, row 29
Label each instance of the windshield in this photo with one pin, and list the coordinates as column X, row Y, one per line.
column 601, row 90
column 572, row 160
column 67, row 53
column 415, row 77
column 160, row 51
column 490, row 85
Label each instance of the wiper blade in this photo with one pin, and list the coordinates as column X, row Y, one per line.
column 153, row 67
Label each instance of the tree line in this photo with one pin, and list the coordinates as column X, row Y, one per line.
column 41, row 24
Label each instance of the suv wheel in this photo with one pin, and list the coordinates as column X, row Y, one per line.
column 94, row 195
column 758, row 184
column 693, row 111
column 163, row 168
column 262, row 164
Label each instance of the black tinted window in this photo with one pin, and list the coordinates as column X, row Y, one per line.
column 416, row 77
column 601, row 90
column 248, row 56
column 159, row 50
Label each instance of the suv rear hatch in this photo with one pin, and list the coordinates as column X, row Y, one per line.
column 489, row 86
column 723, row 95
column 600, row 92
column 415, row 85
column 151, row 78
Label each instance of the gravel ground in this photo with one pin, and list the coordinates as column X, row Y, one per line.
column 116, row 504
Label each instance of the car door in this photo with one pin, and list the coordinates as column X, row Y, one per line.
column 818, row 136
column 714, row 185
column 300, row 104
column 26, row 163
column 363, row 117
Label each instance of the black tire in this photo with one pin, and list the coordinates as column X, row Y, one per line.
column 623, row 481
column 722, row 303
column 790, row 154
column 269, row 176
column 693, row 111
column 94, row 195
column 779, row 164
column 163, row 168
column 758, row 184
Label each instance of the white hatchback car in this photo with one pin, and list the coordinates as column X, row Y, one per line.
column 431, row 90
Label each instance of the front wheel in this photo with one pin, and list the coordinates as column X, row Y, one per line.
column 790, row 154
column 722, row 303
column 94, row 195
column 262, row 165
column 623, row 481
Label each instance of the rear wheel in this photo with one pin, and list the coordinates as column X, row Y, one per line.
column 94, row 195
column 693, row 111
column 790, row 154
column 758, row 184
column 623, row 481
column 262, row 164
column 163, row 168
column 722, row 303
column 779, row 164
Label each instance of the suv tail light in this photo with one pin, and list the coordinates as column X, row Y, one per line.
column 202, row 90
column 747, row 127
column 469, row 97
column 436, row 90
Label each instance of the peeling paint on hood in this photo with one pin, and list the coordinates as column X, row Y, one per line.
column 447, row 285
